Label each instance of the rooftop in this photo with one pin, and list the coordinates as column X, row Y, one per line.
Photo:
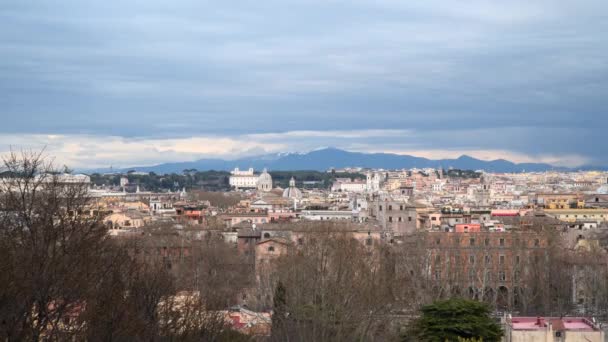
column 558, row 323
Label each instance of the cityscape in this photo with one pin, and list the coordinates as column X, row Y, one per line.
column 304, row 171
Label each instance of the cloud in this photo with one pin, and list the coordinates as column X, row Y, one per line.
column 86, row 151
column 519, row 76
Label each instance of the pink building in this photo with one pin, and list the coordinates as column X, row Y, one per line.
column 552, row 329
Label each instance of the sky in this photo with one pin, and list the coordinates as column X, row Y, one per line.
column 128, row 83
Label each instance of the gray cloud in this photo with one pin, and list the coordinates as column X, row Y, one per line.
column 527, row 77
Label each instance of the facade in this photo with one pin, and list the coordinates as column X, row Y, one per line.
column 327, row 215
column 243, row 179
column 160, row 206
column 349, row 185
column 559, row 201
column 374, row 180
column 266, row 252
column 398, row 217
column 492, row 266
column 576, row 215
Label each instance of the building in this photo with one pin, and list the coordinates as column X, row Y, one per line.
column 492, row 266
column 247, row 179
column 398, row 217
column 327, row 215
column 119, row 222
column 264, row 182
column 243, row 179
column 292, row 192
column 552, row 329
column 349, row 185
column 574, row 215
column 374, row 181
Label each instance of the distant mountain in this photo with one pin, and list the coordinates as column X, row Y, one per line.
column 327, row 158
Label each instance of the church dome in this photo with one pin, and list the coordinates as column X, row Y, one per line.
column 292, row 191
column 264, row 181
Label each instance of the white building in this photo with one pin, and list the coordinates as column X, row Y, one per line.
column 249, row 180
column 124, row 181
column 243, row 179
column 328, row 215
column 349, row 185
column 374, row 181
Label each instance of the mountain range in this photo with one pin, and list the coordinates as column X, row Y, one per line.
column 327, row 158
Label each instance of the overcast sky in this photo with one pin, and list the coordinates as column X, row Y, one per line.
column 140, row 82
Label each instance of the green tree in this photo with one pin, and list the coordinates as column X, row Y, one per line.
column 451, row 319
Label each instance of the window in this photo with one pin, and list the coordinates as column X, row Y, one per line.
column 501, row 242
column 472, row 241
column 380, row 208
column 472, row 275
column 517, row 259
column 409, row 219
column 471, row 259
column 516, row 275
column 536, row 242
column 401, row 207
column 501, row 260
column 266, row 235
column 390, row 207
column 487, row 259
column 271, row 249
column 502, row 276
column 438, row 241
column 486, row 242
column 437, row 275
column 399, row 219
column 390, row 219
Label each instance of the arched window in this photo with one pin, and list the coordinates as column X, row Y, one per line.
column 266, row 235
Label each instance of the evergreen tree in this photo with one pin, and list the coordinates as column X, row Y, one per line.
column 279, row 309
column 451, row 319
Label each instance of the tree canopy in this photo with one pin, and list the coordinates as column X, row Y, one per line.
column 449, row 320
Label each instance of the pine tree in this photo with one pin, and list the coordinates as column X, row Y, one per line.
column 451, row 319
column 279, row 309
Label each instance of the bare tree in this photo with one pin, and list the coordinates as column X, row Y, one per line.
column 48, row 249
column 335, row 290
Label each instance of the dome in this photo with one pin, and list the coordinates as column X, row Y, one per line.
column 292, row 191
column 264, row 181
